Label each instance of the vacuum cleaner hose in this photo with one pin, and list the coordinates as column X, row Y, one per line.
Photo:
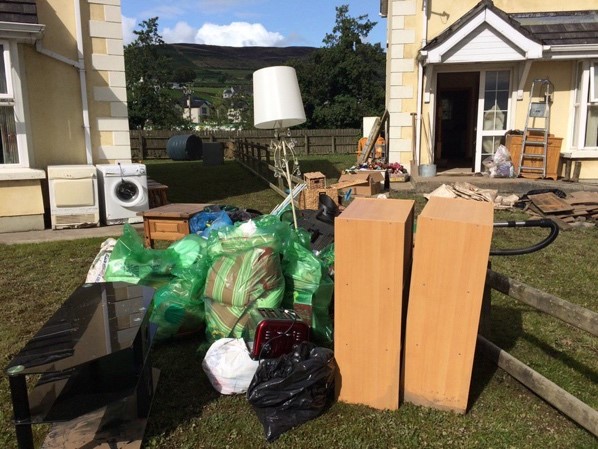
column 543, row 223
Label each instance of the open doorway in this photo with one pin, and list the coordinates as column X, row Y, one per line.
column 455, row 125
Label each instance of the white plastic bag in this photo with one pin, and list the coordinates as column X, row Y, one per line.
column 228, row 366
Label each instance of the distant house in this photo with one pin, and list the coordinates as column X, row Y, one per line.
column 62, row 98
column 228, row 93
column 463, row 72
column 195, row 109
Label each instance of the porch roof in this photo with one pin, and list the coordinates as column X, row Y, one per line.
column 532, row 34
column 561, row 28
column 18, row 11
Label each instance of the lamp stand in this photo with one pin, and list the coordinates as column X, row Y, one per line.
column 282, row 148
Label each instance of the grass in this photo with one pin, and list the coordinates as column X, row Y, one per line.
column 188, row 413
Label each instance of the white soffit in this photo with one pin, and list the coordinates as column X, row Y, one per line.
column 485, row 36
column 21, row 32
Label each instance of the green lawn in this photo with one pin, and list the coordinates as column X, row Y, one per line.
column 188, row 413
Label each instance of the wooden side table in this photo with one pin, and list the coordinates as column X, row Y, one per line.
column 157, row 193
column 169, row 222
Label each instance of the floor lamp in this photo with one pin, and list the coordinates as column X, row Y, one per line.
column 277, row 105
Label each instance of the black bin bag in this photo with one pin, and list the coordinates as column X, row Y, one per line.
column 292, row 389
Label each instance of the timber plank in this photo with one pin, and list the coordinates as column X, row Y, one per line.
column 550, row 203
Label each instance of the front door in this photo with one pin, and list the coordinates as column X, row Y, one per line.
column 456, row 115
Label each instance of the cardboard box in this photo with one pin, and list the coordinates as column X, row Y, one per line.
column 362, row 183
column 315, row 180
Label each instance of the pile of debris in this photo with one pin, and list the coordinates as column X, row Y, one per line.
column 576, row 209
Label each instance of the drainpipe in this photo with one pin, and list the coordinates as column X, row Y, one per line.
column 420, row 84
column 83, row 83
column 80, row 66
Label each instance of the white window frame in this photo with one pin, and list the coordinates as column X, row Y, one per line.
column 593, row 87
column 9, row 95
column 481, row 132
column 586, row 91
column 14, row 97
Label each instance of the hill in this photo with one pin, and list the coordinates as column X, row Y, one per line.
column 217, row 67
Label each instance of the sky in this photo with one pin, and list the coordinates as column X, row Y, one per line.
column 242, row 23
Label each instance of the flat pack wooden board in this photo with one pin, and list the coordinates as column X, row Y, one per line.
column 373, row 244
column 581, row 197
column 105, row 428
column 450, row 259
column 550, row 203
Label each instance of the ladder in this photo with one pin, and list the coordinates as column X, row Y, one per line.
column 534, row 143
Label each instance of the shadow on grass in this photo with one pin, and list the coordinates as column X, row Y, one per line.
column 193, row 182
column 327, row 167
column 506, row 329
column 557, row 354
column 183, row 389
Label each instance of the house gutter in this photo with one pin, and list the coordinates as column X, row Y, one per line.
column 420, row 85
column 80, row 66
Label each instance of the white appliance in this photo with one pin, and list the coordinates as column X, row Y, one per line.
column 73, row 191
column 123, row 192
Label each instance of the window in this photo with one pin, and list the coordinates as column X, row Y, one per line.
column 9, row 151
column 495, row 94
column 586, row 107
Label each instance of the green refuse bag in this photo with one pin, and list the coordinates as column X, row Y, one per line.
column 309, row 289
column 245, row 272
column 132, row 262
column 179, row 309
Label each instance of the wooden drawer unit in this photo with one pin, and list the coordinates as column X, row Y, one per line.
column 373, row 241
column 450, row 259
column 169, row 222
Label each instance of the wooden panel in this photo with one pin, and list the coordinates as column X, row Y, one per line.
column 553, row 151
column 452, row 245
column 373, row 244
column 548, row 202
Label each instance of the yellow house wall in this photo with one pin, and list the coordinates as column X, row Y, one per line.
column 54, row 87
column 20, row 198
column 56, row 119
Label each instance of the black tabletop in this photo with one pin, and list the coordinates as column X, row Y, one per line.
column 95, row 321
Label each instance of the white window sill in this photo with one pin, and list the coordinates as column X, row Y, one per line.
column 580, row 154
column 21, row 174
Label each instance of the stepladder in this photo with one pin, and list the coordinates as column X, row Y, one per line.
column 534, row 144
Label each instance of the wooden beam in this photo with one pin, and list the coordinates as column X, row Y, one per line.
column 374, row 133
column 563, row 401
column 570, row 313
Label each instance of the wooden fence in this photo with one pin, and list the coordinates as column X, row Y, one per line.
column 572, row 314
column 153, row 144
column 258, row 159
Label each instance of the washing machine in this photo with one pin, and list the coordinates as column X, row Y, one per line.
column 123, row 192
column 73, row 191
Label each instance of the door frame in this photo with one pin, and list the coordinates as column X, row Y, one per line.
column 481, row 69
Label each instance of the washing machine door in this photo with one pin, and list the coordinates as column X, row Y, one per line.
column 128, row 192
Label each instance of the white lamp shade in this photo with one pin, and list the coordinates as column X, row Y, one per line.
column 276, row 98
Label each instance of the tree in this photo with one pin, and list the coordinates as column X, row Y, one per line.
column 184, row 75
column 148, row 74
column 344, row 80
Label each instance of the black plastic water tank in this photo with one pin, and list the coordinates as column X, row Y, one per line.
column 184, row 147
column 213, row 153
